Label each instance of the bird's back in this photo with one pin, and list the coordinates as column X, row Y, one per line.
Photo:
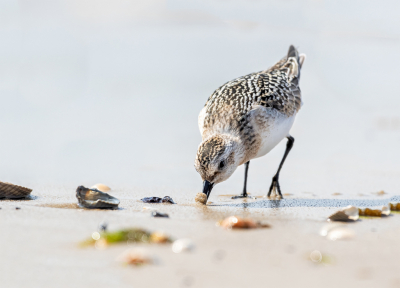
column 276, row 88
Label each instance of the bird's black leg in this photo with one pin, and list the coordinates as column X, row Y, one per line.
column 244, row 194
column 275, row 179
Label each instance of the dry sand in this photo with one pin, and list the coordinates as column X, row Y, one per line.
column 39, row 243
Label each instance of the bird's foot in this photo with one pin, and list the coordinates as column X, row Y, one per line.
column 243, row 196
column 275, row 189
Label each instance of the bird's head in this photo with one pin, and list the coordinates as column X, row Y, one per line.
column 216, row 160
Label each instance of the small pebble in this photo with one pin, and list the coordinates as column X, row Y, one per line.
column 183, row 245
column 201, row 198
column 103, row 227
column 159, row 214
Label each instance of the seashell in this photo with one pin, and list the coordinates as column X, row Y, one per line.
column 93, row 198
column 135, row 257
column 394, row 206
column 183, row 245
column 101, row 187
column 386, row 210
column 336, row 231
column 8, row 190
column 201, row 198
column 350, row 213
column 340, row 233
column 237, row 222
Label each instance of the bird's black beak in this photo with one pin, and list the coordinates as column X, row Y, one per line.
column 207, row 187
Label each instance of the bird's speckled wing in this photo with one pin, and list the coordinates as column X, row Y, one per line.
column 277, row 88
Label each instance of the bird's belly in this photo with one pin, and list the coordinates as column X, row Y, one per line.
column 275, row 128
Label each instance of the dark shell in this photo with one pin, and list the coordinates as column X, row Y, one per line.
column 166, row 199
column 159, row 214
column 8, row 190
column 93, row 198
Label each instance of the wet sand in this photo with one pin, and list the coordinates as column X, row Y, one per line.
column 41, row 240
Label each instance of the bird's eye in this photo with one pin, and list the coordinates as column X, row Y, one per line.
column 221, row 164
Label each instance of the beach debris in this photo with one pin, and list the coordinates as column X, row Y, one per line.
column 350, row 213
column 337, row 194
column 201, row 198
column 183, row 245
column 103, row 226
column 341, row 233
column 11, row 191
column 318, row 258
column 147, row 209
column 159, row 214
column 135, row 256
column 93, row 198
column 336, row 231
column 166, row 199
column 384, row 211
column 159, row 237
column 17, row 208
column 380, row 193
column 125, row 235
column 235, row 222
column 394, row 206
column 101, row 187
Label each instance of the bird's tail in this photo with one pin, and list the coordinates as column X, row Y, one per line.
column 291, row 64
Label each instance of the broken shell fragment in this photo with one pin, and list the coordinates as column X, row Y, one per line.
column 394, row 206
column 8, row 190
column 135, row 257
column 93, row 198
column 183, row 245
column 101, row 187
column 201, row 198
column 350, row 213
column 159, row 237
column 234, row 222
column 159, row 214
column 166, row 199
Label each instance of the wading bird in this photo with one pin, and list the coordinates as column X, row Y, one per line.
column 246, row 118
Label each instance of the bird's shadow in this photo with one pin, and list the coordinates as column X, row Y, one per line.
column 288, row 203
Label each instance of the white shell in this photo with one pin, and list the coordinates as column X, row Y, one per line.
column 183, row 245
column 336, row 231
column 341, row 234
column 386, row 210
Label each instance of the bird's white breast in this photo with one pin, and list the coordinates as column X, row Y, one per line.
column 271, row 126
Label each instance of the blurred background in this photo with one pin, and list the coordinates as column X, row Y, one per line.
column 109, row 91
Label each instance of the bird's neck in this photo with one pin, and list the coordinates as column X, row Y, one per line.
column 238, row 146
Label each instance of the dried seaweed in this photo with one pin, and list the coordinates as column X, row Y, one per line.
column 166, row 199
column 131, row 235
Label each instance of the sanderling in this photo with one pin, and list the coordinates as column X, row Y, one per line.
column 246, row 118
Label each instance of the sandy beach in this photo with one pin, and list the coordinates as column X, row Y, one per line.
column 42, row 240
